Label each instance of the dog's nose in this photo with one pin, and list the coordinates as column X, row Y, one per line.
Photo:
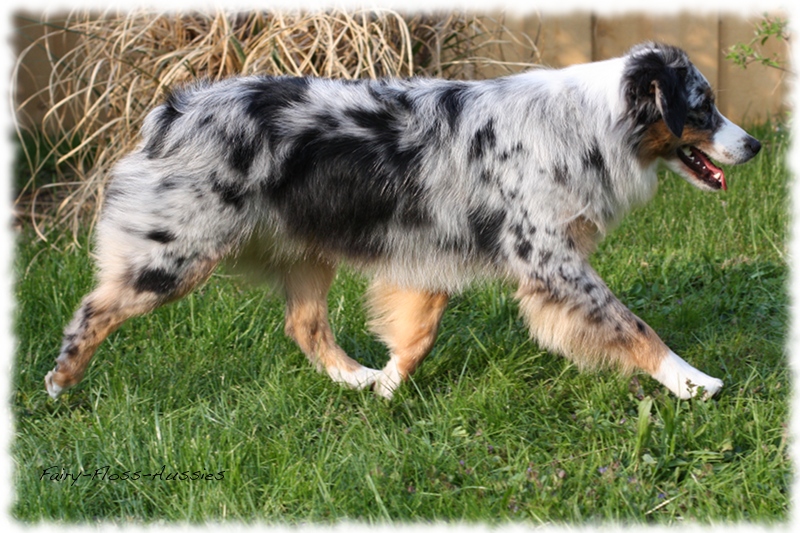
column 752, row 145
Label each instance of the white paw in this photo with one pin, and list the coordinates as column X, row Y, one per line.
column 388, row 380
column 52, row 389
column 684, row 380
column 358, row 379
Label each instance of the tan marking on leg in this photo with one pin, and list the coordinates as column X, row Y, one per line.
column 306, row 284
column 113, row 302
column 100, row 313
column 407, row 321
column 619, row 339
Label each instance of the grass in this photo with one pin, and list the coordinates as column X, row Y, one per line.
column 492, row 429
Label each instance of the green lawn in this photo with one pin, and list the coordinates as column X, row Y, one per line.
column 492, row 429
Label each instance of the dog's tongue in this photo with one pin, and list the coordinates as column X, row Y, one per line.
column 708, row 168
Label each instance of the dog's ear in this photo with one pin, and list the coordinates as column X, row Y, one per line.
column 671, row 100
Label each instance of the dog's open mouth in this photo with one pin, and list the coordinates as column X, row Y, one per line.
column 701, row 166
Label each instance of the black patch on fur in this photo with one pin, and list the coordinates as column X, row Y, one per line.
column 168, row 113
column 486, row 227
column 328, row 120
column 599, row 303
column 451, row 101
column 156, row 280
column 487, row 176
column 546, row 287
column 704, row 116
column 522, row 245
column 87, row 312
column 168, row 183
column 230, row 193
column 545, row 256
column 343, row 191
column 524, row 249
column 593, row 159
column 379, row 122
column 483, row 141
column 267, row 97
column 561, row 173
column 569, row 278
column 641, row 327
column 206, row 120
column 505, row 155
column 404, row 101
column 241, row 151
column 596, row 314
column 161, row 235
column 411, row 211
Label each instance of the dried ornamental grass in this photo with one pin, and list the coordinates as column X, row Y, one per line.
column 117, row 66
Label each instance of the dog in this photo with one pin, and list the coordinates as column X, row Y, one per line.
column 425, row 185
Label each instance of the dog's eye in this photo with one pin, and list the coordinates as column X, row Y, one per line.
column 706, row 106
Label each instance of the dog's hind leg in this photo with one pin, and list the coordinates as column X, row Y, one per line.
column 306, row 284
column 407, row 321
column 122, row 293
column 571, row 311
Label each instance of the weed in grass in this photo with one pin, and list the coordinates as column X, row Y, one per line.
column 643, row 428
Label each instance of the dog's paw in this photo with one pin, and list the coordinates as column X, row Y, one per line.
column 684, row 380
column 53, row 389
column 388, row 380
column 710, row 389
column 361, row 378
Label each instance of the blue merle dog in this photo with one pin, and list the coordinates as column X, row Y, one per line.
column 423, row 184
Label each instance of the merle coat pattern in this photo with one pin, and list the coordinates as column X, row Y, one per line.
column 423, row 184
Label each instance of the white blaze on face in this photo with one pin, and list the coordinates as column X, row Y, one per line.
column 729, row 144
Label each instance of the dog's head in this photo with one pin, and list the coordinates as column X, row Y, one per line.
column 674, row 118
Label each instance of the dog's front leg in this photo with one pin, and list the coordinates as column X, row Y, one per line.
column 407, row 321
column 570, row 310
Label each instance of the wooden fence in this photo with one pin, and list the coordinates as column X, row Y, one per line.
column 745, row 95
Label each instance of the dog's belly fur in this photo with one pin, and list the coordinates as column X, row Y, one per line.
column 424, row 185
